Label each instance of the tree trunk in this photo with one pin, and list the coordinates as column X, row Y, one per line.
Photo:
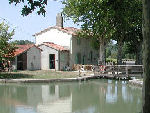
column 102, row 51
column 146, row 56
column 139, row 55
column 119, row 55
column 138, row 59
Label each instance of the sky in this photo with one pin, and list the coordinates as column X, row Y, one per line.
column 27, row 26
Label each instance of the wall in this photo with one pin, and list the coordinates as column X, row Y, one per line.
column 33, row 59
column 64, row 59
column 45, row 57
column 55, row 36
column 84, row 47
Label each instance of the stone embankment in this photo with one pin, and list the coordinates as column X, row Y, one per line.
column 136, row 82
column 82, row 78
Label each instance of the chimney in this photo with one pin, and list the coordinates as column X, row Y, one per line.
column 59, row 20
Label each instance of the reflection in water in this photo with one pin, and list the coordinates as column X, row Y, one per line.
column 98, row 96
column 111, row 95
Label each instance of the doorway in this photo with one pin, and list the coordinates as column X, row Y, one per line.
column 83, row 60
column 22, row 61
column 52, row 61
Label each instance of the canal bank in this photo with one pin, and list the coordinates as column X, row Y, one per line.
column 79, row 78
column 47, row 80
column 82, row 78
column 48, row 76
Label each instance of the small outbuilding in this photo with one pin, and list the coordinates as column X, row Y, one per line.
column 27, row 57
column 54, row 56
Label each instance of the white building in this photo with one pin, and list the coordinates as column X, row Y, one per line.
column 80, row 50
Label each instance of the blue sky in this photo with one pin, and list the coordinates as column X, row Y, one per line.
column 25, row 27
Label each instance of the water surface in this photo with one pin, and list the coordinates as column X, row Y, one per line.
column 97, row 96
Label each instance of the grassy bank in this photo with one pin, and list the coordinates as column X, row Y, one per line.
column 39, row 74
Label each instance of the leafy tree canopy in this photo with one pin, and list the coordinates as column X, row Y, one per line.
column 95, row 16
column 105, row 18
column 31, row 5
column 6, row 48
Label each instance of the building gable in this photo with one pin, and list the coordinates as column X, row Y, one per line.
column 56, row 36
column 23, row 48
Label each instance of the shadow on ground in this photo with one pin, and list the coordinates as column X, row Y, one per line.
column 14, row 76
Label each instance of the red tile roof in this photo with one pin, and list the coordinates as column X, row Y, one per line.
column 22, row 48
column 55, row 46
column 69, row 30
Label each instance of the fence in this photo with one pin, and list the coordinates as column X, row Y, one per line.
column 119, row 70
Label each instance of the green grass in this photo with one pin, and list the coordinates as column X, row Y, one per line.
column 40, row 74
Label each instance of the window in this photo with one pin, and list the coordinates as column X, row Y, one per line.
column 91, row 56
column 83, row 59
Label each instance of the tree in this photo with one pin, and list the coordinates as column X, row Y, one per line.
column 22, row 42
column 96, row 19
column 31, row 5
column 124, row 19
column 146, row 56
column 120, row 23
column 6, row 48
column 105, row 18
column 134, row 42
column 111, row 50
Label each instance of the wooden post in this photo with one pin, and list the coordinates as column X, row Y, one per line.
column 113, row 70
column 127, row 73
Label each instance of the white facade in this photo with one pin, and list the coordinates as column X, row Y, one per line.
column 61, row 58
column 54, row 35
column 46, row 51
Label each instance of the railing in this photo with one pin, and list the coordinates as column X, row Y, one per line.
column 119, row 70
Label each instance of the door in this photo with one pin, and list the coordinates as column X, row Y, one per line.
column 52, row 61
column 83, row 60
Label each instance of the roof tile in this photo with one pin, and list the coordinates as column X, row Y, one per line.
column 69, row 30
column 55, row 46
column 22, row 48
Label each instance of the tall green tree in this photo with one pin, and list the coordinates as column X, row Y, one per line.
column 134, row 43
column 146, row 56
column 96, row 19
column 6, row 48
column 124, row 18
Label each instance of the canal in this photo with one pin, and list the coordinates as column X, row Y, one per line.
column 96, row 96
